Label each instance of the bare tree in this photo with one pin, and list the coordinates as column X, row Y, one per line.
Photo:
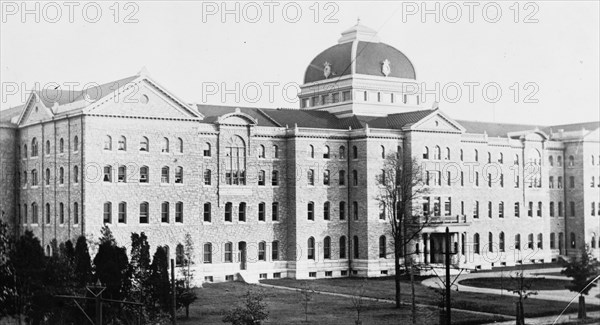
column 400, row 188
column 522, row 288
column 306, row 295
column 358, row 300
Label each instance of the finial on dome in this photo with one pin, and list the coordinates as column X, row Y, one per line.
column 358, row 20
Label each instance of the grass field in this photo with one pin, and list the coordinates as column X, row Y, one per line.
column 507, row 284
column 285, row 307
column 384, row 288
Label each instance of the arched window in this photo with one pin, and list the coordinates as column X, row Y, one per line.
column 144, row 212
column 179, row 256
column 476, row 243
column 76, row 144
column 261, row 178
column 122, row 174
column 327, row 248
column 144, row 144
column 550, row 161
column 107, row 142
column 490, row 242
column 310, row 174
column 355, row 247
column 61, row 213
column 261, row 151
column 47, row 176
column 61, row 175
column 207, row 177
column 310, row 210
column 228, row 252
column 165, row 145
column 144, row 174
column 61, row 146
column 326, row 210
column 107, row 212
column 164, row 212
column 571, row 161
column 47, row 147
column 354, row 152
column 518, row 242
column 235, row 161
column 501, row 158
column 207, row 253
column 540, row 241
column 382, row 247
column 179, row 212
column 164, row 174
column 355, row 178
column 274, row 178
column 447, row 154
column 355, row 210
column 342, row 179
column 489, row 160
column 382, row 152
column 437, row 154
column 326, row 177
column 573, row 240
column 501, row 241
column 559, row 161
column 326, row 152
column 180, row 145
column 342, row 247
column 593, row 240
column 34, row 177
column 262, row 251
column 242, row 212
column 275, row 151
column 342, row 210
column 476, row 155
column 275, row 211
column 228, row 211
column 75, row 213
column 311, row 151
column 34, row 147
column 122, row 217
column 75, row 174
column 425, row 153
column 530, row 241
column 342, row 152
column 122, row 143
column 207, row 150
column 178, row 175
column 24, row 151
column 311, row 248
column 462, row 155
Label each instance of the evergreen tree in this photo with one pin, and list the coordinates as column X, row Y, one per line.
column 29, row 263
column 111, row 266
column 582, row 272
column 159, row 279
column 82, row 260
column 8, row 289
column 139, row 267
column 186, row 295
column 69, row 251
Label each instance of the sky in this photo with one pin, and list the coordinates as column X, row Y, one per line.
column 529, row 62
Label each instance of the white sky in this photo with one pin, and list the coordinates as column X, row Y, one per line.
column 185, row 52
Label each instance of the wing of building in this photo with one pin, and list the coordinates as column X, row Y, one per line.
column 269, row 193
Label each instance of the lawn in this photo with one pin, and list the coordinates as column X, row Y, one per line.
column 508, row 284
column 523, row 267
column 285, row 307
column 384, row 288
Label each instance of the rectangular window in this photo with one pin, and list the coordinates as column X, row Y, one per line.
column 178, row 175
column 164, row 212
column 207, row 253
column 107, row 212
column 207, row 212
column 572, row 208
column 207, row 177
column 228, row 252
column 311, row 177
column 342, row 210
column 242, row 212
column 179, row 212
column 261, row 211
column 346, row 95
column 342, row 180
column 326, row 178
column 275, row 251
column 122, row 212
column 552, row 209
column 560, row 209
column 517, row 213
column 122, row 177
column 144, row 213
column 107, row 174
column 228, row 208
column 275, row 178
column 476, row 209
column 530, row 209
column 448, row 207
column 275, row 211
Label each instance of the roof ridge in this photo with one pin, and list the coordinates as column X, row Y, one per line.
column 268, row 117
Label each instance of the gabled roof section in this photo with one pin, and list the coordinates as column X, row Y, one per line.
column 34, row 111
column 430, row 120
column 212, row 113
column 9, row 116
column 131, row 88
column 306, row 118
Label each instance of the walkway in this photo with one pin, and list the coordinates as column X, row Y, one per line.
column 557, row 295
column 552, row 319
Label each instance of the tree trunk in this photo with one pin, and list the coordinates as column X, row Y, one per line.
column 412, row 288
column 187, row 311
column 520, row 313
column 581, row 312
column 397, row 275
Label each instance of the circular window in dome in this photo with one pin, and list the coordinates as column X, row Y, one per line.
column 144, row 99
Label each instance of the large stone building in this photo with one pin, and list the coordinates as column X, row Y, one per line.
column 291, row 192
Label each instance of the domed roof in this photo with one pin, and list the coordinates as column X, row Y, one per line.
column 359, row 51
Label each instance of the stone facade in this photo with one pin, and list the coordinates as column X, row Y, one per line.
column 270, row 193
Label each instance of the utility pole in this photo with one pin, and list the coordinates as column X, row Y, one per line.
column 448, row 284
column 174, row 302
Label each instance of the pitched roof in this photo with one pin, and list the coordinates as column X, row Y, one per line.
column 574, row 127
column 212, row 112
column 306, row 118
column 495, row 129
column 6, row 115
